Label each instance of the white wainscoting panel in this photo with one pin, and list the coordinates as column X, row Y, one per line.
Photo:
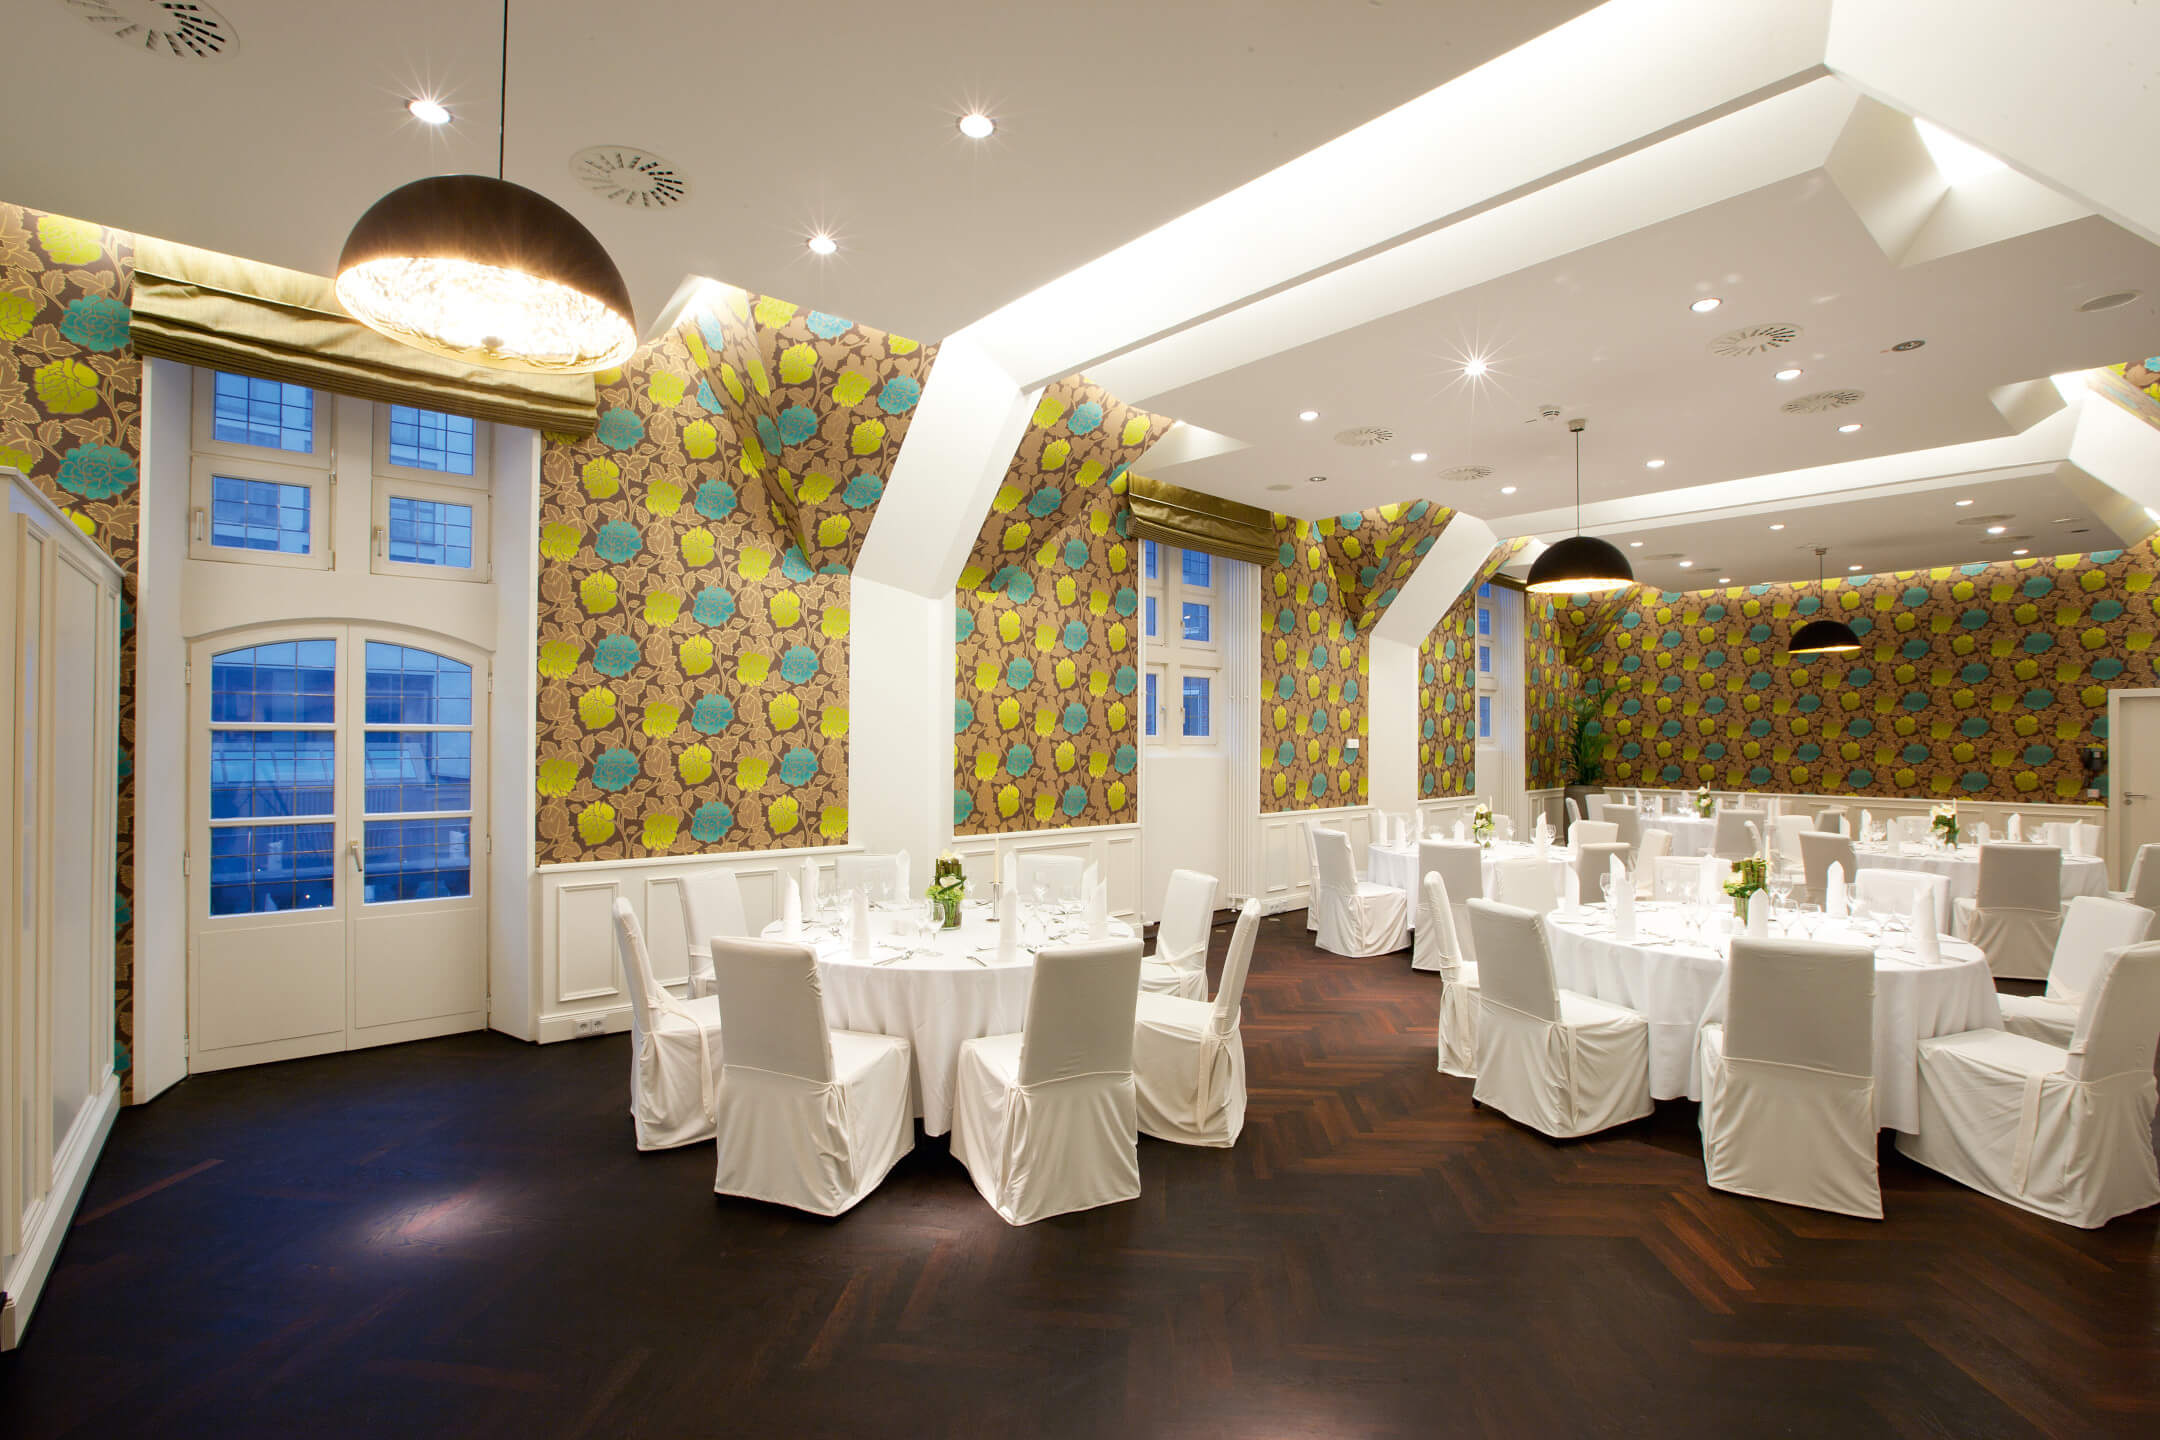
column 1113, row 849
column 1282, row 881
column 1996, row 813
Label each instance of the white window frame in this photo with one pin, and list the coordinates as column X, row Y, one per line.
column 321, row 498
column 483, row 459
column 388, row 488
column 1170, row 657
column 1486, row 659
column 205, row 442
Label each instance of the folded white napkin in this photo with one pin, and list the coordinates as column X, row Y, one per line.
column 1544, row 840
column 859, row 933
column 1462, row 831
column 905, row 893
column 1009, row 875
column 1867, row 823
column 2017, row 827
column 1758, row 915
column 790, row 908
column 1834, row 901
column 809, row 886
column 1706, row 883
column 1980, row 832
column 1761, row 846
column 1098, row 912
column 1090, row 877
column 2075, row 834
column 1926, row 944
column 1623, row 901
column 1008, row 941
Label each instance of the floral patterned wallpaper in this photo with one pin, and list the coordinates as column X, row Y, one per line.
column 693, row 618
column 70, row 419
column 1447, row 690
column 1978, row 680
column 1551, row 687
column 1046, row 709
column 1330, row 582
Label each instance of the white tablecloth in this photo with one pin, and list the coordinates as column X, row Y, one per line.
column 2081, row 874
column 952, row 991
column 1678, row 985
column 1396, row 865
column 1691, row 834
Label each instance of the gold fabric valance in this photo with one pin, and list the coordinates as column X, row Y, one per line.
column 219, row 311
column 1173, row 515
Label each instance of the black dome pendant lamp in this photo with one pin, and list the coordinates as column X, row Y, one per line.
column 1822, row 637
column 1581, row 564
column 484, row 272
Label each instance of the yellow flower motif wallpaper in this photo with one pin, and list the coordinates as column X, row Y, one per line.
column 1447, row 690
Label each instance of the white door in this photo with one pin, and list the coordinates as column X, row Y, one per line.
column 335, row 793
column 2133, row 775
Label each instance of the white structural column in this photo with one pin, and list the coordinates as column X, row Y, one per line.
column 1392, row 686
column 900, row 651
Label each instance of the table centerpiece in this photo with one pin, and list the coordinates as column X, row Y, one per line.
column 1943, row 821
column 1481, row 824
column 947, row 886
column 1749, row 876
column 1705, row 803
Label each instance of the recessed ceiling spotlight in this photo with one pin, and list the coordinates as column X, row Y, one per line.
column 1687, row 564
column 1779, row 526
column 428, row 112
column 1705, row 305
column 1790, row 372
column 1474, row 366
column 1507, row 489
column 1417, row 455
column 1852, row 567
column 2021, row 552
column 1283, row 485
column 1653, row 464
column 1316, row 479
column 823, row 244
column 1634, row 544
column 1308, row 415
column 1724, row 579
column 2113, row 301
column 1963, row 503
column 1848, row 429
column 1996, row 529
column 976, row 125
column 1903, row 346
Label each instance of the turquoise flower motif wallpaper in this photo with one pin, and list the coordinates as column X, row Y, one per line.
column 1447, row 690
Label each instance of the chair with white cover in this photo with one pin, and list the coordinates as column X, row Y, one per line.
column 1593, row 832
column 1732, row 840
column 1789, row 830
column 1656, row 845
column 1593, row 867
column 675, row 1048
column 1312, row 876
column 1788, row 1079
column 1461, row 868
column 1527, row 882
column 1836, row 819
column 1819, row 850
column 2091, row 927
column 1047, row 1121
column 808, row 1117
column 1892, row 892
column 1626, row 821
column 1189, row 1058
column 1557, row 1061
column 1594, row 805
column 2018, row 912
column 711, row 905
column 1574, row 811
column 1357, row 917
column 1059, row 878
column 2142, row 885
column 2065, row 1133
column 1179, row 964
column 1458, row 974
column 877, row 875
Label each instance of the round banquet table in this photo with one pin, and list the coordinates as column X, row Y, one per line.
column 934, row 993
column 1677, row 983
column 1691, row 834
column 2081, row 874
column 1396, row 866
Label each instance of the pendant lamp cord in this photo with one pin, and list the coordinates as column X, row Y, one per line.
column 502, row 112
column 1578, row 476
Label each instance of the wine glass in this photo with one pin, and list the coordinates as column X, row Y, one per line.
column 1604, row 885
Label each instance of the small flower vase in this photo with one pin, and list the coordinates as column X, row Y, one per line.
column 949, row 913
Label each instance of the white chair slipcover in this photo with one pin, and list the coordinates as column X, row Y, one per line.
column 1312, row 876
column 1594, row 806
column 1188, row 1056
column 2142, row 885
column 1458, row 979
column 2091, row 928
column 1527, row 882
column 1788, row 1080
column 1656, row 845
column 675, row 1049
column 2018, row 910
column 1789, row 829
column 1462, row 871
column 1626, row 821
column 1593, row 863
column 1837, row 820
column 878, row 876
column 1047, row 1121
column 1357, row 917
column 711, row 905
column 1593, row 832
column 1732, row 839
column 807, row 1117
column 2062, row 1133
column 1574, row 811
column 1179, row 964
column 1892, row 892
column 1061, row 877
column 1559, row 1062
column 1819, row 850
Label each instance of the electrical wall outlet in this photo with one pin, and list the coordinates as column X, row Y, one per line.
column 589, row 1025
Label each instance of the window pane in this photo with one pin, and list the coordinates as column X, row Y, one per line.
column 1484, row 590
column 1484, row 621
column 1199, row 570
column 416, row 687
column 256, row 869
column 1154, row 700
column 411, row 770
column 258, row 774
column 259, row 515
column 1196, row 621
column 1484, row 659
column 290, row 683
column 1151, row 615
column 1484, row 717
column 430, row 440
column 429, row 532
column 1196, row 705
column 417, row 860
column 263, row 412
column 1149, row 559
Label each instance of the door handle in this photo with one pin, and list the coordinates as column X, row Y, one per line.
column 359, row 864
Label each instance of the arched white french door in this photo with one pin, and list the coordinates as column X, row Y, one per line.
column 337, row 834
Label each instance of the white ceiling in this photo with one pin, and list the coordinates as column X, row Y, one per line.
column 1114, row 116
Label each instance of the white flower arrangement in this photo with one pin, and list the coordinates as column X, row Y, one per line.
column 1705, row 803
column 1481, row 824
column 1943, row 820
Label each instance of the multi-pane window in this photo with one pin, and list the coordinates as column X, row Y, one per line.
column 1196, row 706
column 268, row 413
column 418, row 754
column 259, row 483
column 430, row 532
column 273, row 778
column 1152, row 721
column 261, row 515
column 1184, row 654
column 431, row 440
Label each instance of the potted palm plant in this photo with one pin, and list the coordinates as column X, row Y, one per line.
column 1586, row 754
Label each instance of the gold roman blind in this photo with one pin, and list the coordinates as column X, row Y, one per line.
column 230, row 314
column 1173, row 515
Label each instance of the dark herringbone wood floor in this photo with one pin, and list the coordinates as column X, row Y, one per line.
column 457, row 1238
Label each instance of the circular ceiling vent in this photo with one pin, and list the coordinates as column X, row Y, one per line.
column 1754, row 340
column 1823, row 400
column 1983, row 519
column 1364, row 437
column 1468, row 472
column 2113, row 301
column 183, row 29
column 633, row 178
